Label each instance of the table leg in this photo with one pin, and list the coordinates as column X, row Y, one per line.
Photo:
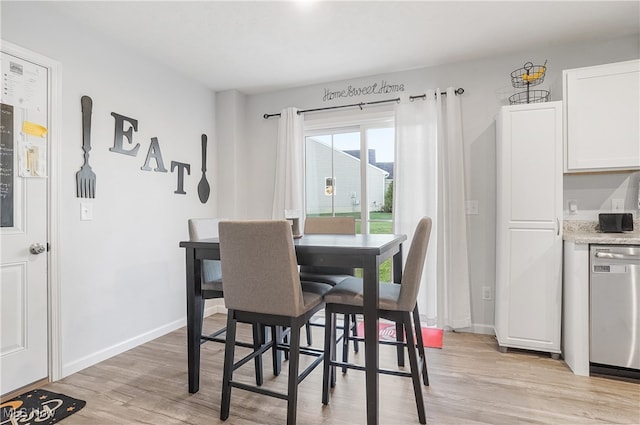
column 397, row 278
column 194, row 319
column 397, row 266
column 370, row 278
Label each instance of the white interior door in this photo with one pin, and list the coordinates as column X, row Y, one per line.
column 24, row 206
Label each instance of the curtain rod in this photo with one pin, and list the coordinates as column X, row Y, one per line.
column 459, row 90
column 360, row 105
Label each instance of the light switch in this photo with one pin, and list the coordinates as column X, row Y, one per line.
column 86, row 211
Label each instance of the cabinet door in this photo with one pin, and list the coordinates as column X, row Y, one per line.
column 529, row 241
column 602, row 113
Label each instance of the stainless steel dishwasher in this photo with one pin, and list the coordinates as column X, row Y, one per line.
column 614, row 310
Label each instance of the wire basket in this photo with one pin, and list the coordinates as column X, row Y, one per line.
column 529, row 75
column 529, row 96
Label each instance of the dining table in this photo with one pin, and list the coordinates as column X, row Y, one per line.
column 362, row 251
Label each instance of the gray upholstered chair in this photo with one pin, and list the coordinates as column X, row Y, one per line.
column 262, row 285
column 397, row 302
column 321, row 279
column 211, row 284
column 328, row 226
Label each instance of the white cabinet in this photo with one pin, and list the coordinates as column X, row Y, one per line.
column 602, row 117
column 529, row 232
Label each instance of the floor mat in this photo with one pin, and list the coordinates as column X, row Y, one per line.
column 39, row 406
column 431, row 337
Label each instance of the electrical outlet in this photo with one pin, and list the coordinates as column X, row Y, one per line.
column 573, row 206
column 486, row 292
column 617, row 205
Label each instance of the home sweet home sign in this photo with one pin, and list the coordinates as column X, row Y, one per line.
column 382, row 87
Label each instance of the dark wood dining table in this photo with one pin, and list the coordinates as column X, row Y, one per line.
column 366, row 252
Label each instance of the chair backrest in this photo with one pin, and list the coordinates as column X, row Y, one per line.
column 260, row 267
column 412, row 274
column 330, row 225
column 204, row 228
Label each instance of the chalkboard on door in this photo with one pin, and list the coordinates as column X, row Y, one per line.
column 6, row 165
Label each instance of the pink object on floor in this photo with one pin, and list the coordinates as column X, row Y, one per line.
column 431, row 337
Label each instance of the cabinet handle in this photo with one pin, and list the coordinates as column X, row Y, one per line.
column 617, row 256
column 558, row 224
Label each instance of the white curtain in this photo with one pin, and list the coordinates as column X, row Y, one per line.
column 415, row 186
column 288, row 196
column 429, row 180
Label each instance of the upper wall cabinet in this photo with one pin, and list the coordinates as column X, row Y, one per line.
column 602, row 117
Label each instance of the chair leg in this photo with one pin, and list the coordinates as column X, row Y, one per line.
column 308, row 329
column 399, row 338
column 276, row 335
column 202, row 315
column 227, row 373
column 420, row 343
column 329, row 350
column 354, row 331
column 334, row 348
column 258, row 340
column 345, row 340
column 413, row 362
column 292, row 388
column 285, row 339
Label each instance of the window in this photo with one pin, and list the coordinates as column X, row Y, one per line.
column 340, row 180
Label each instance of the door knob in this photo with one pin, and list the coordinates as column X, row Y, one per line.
column 37, row 248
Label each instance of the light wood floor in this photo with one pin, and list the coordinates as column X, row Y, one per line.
column 471, row 383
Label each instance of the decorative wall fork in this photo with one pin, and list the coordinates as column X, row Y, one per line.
column 86, row 178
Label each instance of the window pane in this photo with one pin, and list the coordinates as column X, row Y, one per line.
column 318, row 169
column 333, row 174
column 380, row 142
column 346, row 157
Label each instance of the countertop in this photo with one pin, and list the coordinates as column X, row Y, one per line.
column 587, row 232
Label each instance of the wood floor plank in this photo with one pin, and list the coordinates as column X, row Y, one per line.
column 472, row 383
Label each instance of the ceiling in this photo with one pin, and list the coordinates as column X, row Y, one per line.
column 269, row 45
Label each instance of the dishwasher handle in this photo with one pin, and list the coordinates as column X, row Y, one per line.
column 617, row 256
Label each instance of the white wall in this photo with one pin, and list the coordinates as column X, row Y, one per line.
column 122, row 274
column 594, row 193
column 487, row 87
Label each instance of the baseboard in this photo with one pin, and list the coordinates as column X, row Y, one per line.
column 99, row 356
column 214, row 308
column 475, row 328
column 479, row 329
